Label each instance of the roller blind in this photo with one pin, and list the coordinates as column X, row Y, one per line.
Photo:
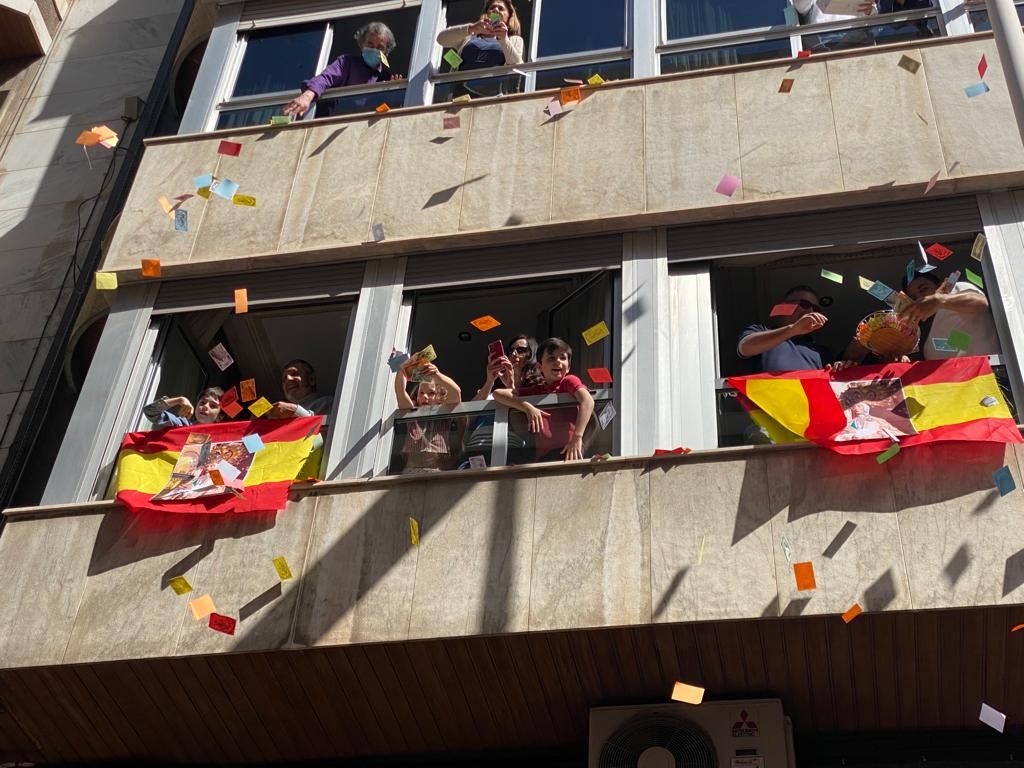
column 273, row 13
column 315, row 283
column 807, row 231
column 513, row 262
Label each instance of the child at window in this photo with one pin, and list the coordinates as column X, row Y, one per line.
column 426, row 447
column 557, row 436
column 178, row 411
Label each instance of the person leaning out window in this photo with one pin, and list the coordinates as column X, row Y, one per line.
column 370, row 65
column 492, row 41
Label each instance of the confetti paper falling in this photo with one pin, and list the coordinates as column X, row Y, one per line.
column 888, row 453
column 223, row 624
column 976, row 90
column 595, row 80
column 854, row 611
column 728, row 185
column 281, row 566
column 982, row 66
column 414, row 532
column 786, row 85
column 241, row 301
column 453, row 59
column 804, row 574
column 835, row 277
column 106, row 281
column 451, row 123
column 232, row 409
column 181, row 220
column 1004, row 481
column 554, row 107
column 248, row 389
column 220, row 356
column 974, row 278
column 260, row 407
column 151, row 268
column 978, row 249
column 378, row 232
column 931, row 183
column 229, row 148
column 909, row 64
column 604, row 418
column 569, row 95
column 865, row 283
column 689, row 694
column 382, row 108
column 595, row 333
column 959, row 340
column 783, row 310
column 202, row 607
column 246, row 200
column 253, row 443
column 225, row 188
column 180, row 585
column 938, row 251
column 229, row 396
column 993, row 718
column 600, row 375
column 484, row 323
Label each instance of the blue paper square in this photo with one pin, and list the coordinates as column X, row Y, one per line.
column 880, row 290
column 203, row 181
column 396, row 360
column 910, row 271
column 181, row 220
column 926, row 268
column 225, row 188
column 976, row 90
column 1004, row 481
column 253, row 443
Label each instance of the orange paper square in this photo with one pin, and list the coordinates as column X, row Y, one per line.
column 87, row 139
column 383, row 108
column 231, row 409
column 484, row 323
column 569, row 95
column 241, row 301
column 151, row 267
column 202, row 607
column 853, row 613
column 248, row 388
column 690, row 694
column 804, row 573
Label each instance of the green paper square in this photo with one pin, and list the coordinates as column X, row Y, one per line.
column 833, row 276
column 889, row 452
column 453, row 59
column 976, row 279
column 959, row 340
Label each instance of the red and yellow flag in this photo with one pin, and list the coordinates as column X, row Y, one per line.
column 187, row 469
column 865, row 409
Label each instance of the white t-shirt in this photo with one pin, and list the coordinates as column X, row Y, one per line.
column 813, row 14
column 979, row 326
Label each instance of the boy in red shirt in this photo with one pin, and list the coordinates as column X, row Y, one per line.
column 556, row 435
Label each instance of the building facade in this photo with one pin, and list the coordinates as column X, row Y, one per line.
column 548, row 607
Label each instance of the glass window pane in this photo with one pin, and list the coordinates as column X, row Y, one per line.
column 720, row 57
column 489, row 86
column 981, row 21
column 402, row 24
column 467, row 11
column 279, row 59
column 692, row 18
column 366, row 102
column 525, row 447
column 438, row 443
column 241, row 118
column 569, row 26
column 868, row 36
column 609, row 70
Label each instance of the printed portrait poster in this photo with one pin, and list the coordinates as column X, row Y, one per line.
column 190, row 478
column 875, row 409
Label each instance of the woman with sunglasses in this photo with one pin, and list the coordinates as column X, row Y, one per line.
column 492, row 41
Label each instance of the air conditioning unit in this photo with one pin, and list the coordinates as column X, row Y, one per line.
column 718, row 734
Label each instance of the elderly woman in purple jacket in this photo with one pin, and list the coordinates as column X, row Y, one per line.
column 370, row 65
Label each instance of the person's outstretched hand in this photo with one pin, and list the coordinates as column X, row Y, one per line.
column 300, row 105
column 573, row 449
column 809, row 323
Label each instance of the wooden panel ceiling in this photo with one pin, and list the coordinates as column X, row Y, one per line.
column 908, row 672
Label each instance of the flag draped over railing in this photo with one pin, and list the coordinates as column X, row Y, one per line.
column 867, row 408
column 235, row 466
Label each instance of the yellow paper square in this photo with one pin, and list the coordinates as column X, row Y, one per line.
column 180, row 585
column 204, row 192
column 595, row 80
column 202, row 607
column 865, row 283
column 281, row 566
column 106, row 281
column 595, row 333
column 690, row 694
column 414, row 531
column 244, row 200
column 260, row 407
column 166, row 205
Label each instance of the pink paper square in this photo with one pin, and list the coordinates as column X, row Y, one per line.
column 728, row 185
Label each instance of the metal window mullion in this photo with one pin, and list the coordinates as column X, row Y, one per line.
column 403, row 331
column 321, row 64
column 213, row 69
column 642, row 37
column 499, row 437
column 227, row 84
column 424, row 54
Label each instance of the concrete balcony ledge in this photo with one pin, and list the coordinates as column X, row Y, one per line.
column 632, row 154
column 636, row 542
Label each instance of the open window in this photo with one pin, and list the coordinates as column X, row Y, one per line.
column 476, row 432
column 747, row 290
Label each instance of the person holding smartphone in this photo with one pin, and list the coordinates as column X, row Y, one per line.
column 493, row 41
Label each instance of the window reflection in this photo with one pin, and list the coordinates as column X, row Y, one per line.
column 726, row 55
column 569, row 26
column 693, row 18
column 279, row 59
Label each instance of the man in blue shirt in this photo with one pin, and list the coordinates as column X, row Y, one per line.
column 785, row 344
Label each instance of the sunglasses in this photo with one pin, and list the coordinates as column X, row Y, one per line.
column 805, row 304
column 520, row 351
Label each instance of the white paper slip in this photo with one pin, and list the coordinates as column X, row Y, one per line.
column 992, row 718
column 604, row 418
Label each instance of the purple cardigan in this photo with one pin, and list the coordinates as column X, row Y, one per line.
column 348, row 69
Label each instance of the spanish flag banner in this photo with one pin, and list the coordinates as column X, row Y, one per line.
column 867, row 408
column 236, row 466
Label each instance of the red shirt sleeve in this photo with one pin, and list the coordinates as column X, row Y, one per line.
column 569, row 384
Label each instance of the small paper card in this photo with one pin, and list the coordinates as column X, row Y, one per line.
column 909, row 64
column 181, row 220
column 689, row 694
column 453, row 59
column 232, row 409
column 803, row 54
column 931, row 183
column 959, row 340
column 888, row 453
column 221, row 357
column 180, row 585
column 1004, row 481
column 880, row 290
column 225, row 188
column 976, row 279
column 260, row 407
column 604, row 418
column 787, row 548
column 451, row 123
column 378, row 232
column 477, row 462
column 166, row 205
column 786, row 85
column 281, row 120
column 943, row 345
column 595, row 333
column 783, row 310
column 206, row 180
column 976, row 90
column 248, row 388
column 982, row 66
column 228, row 471
column 414, row 531
column 396, row 360
column 938, row 251
column 106, row 281
column 151, row 267
column 229, row 148
column 993, row 718
column 202, row 607
column 462, row 99
column 835, row 277
column 728, row 185
column 484, row 323
column 554, row 107
column 281, row 566
column 600, row 375
column 224, row 624
column 569, row 95
column 865, row 283
column 203, row 192
column 853, row 613
column 804, row 573
column 247, row 200
column 978, row 249
column 87, row 139
column 382, row 108
column 229, row 396
column 241, row 301
column 595, row 80
column 253, row 443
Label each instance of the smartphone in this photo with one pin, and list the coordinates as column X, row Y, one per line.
column 495, row 349
column 494, row 17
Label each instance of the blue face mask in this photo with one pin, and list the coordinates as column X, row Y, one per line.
column 372, row 57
